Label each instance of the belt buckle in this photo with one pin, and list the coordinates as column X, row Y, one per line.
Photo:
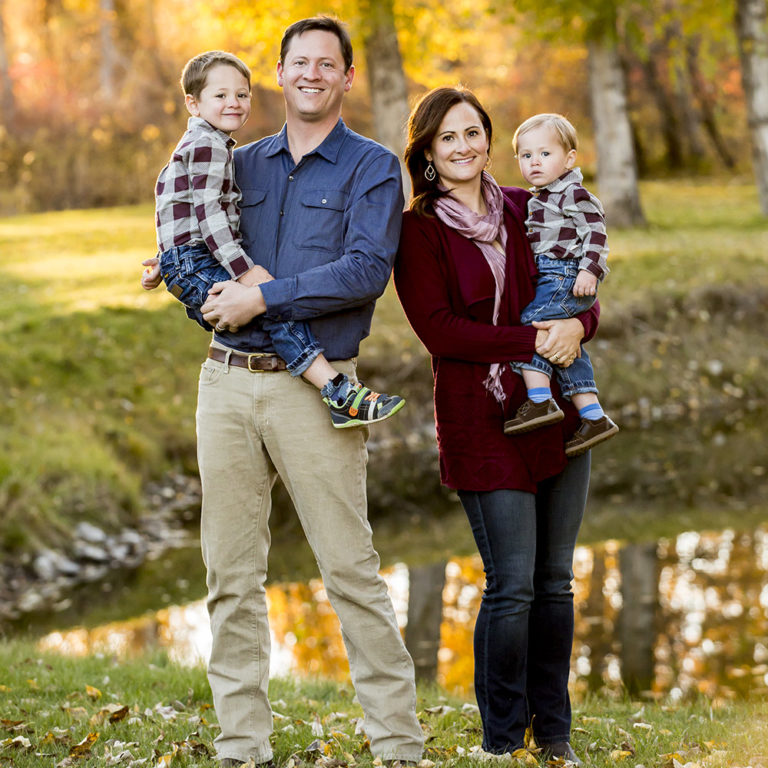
column 261, row 356
column 254, row 370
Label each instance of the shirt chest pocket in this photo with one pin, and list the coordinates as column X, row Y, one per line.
column 321, row 220
column 252, row 212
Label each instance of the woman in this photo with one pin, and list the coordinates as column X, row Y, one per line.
column 463, row 274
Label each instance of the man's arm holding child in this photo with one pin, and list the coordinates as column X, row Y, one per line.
column 357, row 277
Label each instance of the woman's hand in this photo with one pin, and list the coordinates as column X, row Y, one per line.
column 151, row 277
column 562, row 345
column 231, row 305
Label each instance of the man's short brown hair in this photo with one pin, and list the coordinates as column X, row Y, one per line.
column 324, row 24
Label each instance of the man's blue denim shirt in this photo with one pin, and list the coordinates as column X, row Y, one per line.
column 327, row 229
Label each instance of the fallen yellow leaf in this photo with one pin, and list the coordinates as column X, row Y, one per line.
column 94, row 693
column 20, row 742
column 620, row 754
column 118, row 714
column 84, row 747
column 113, row 712
column 528, row 739
column 525, row 756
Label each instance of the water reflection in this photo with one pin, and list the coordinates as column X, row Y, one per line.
column 681, row 616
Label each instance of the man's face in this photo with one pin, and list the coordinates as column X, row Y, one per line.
column 312, row 77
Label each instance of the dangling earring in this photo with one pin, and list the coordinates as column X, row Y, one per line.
column 430, row 174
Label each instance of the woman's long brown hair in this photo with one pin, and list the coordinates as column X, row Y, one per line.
column 423, row 125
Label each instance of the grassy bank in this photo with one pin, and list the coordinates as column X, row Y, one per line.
column 100, row 382
column 101, row 712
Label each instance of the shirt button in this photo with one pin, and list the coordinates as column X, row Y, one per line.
column 323, row 201
column 290, row 178
column 282, row 213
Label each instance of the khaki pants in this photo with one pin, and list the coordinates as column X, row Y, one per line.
column 252, row 427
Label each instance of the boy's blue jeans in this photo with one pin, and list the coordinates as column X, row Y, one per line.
column 554, row 300
column 189, row 272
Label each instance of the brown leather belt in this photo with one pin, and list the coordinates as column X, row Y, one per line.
column 258, row 362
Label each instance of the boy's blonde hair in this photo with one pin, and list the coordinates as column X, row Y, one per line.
column 195, row 72
column 561, row 126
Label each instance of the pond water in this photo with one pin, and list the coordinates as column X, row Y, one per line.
column 683, row 615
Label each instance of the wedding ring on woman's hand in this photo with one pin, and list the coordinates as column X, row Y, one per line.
column 555, row 356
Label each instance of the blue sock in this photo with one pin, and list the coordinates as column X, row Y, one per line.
column 592, row 412
column 539, row 394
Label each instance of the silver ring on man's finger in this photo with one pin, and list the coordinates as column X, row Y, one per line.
column 220, row 329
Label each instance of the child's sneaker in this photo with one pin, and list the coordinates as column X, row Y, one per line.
column 362, row 406
column 589, row 434
column 532, row 415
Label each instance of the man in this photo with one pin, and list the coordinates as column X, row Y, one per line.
column 321, row 209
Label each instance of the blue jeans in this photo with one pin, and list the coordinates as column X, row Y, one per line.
column 524, row 630
column 189, row 272
column 554, row 300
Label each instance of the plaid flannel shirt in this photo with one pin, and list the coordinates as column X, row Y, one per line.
column 196, row 197
column 566, row 221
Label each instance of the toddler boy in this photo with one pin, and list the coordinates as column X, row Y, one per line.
column 566, row 229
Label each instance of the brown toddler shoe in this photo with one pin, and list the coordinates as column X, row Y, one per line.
column 532, row 415
column 589, row 434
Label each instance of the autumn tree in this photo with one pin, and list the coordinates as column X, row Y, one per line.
column 752, row 32
column 616, row 163
column 7, row 101
column 594, row 24
column 386, row 78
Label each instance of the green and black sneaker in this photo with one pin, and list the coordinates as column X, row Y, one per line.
column 362, row 406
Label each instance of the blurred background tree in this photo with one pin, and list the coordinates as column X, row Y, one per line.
column 91, row 104
column 752, row 29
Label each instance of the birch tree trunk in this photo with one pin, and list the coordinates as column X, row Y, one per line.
column 386, row 78
column 7, row 101
column 107, row 41
column 752, row 29
column 616, row 162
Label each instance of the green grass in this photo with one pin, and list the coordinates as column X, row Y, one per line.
column 153, row 708
column 100, row 378
column 701, row 233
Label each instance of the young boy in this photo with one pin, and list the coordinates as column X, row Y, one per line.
column 566, row 228
column 198, row 239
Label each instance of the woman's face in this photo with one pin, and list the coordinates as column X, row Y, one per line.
column 459, row 150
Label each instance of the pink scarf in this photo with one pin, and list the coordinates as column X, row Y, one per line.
column 482, row 231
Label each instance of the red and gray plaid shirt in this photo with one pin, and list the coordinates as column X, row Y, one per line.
column 196, row 198
column 565, row 221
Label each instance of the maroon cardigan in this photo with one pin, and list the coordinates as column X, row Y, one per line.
column 447, row 291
